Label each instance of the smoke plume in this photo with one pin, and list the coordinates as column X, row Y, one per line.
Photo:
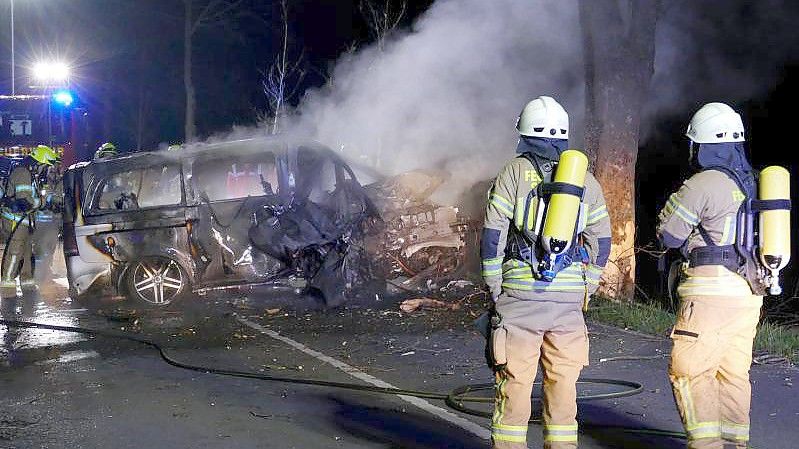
column 446, row 94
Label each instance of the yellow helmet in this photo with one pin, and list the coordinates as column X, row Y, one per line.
column 106, row 150
column 44, row 155
column 175, row 147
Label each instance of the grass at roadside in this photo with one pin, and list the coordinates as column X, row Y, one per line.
column 778, row 340
column 655, row 320
column 641, row 317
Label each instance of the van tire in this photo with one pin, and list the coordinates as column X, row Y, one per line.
column 156, row 281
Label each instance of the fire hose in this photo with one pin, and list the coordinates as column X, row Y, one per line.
column 455, row 399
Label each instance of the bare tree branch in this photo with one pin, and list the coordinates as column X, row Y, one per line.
column 383, row 17
column 223, row 13
column 282, row 80
column 215, row 12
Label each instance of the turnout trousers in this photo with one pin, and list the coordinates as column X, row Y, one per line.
column 45, row 244
column 532, row 331
column 16, row 257
column 709, row 368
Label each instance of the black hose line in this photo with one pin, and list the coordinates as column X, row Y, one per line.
column 454, row 399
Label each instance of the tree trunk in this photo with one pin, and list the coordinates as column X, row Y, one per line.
column 190, row 129
column 619, row 51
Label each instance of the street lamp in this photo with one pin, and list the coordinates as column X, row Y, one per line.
column 50, row 73
column 13, row 84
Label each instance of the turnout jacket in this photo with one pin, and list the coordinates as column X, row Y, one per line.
column 710, row 199
column 508, row 273
column 53, row 200
column 20, row 186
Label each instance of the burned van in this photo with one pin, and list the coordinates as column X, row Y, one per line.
column 157, row 226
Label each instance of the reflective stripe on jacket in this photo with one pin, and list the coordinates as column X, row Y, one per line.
column 506, row 208
column 710, row 199
column 20, row 182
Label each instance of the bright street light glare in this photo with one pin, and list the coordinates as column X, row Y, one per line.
column 51, row 71
column 41, row 70
column 60, row 71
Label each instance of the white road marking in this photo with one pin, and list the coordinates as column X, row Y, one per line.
column 62, row 282
column 444, row 414
column 71, row 356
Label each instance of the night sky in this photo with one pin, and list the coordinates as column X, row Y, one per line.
column 129, row 52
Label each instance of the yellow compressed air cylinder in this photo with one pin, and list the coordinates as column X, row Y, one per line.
column 563, row 208
column 775, row 225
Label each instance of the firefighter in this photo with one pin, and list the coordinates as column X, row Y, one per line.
column 718, row 314
column 538, row 312
column 48, row 223
column 106, row 151
column 20, row 203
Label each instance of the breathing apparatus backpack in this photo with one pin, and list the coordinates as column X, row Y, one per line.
column 762, row 245
column 7, row 193
column 550, row 244
column 7, row 165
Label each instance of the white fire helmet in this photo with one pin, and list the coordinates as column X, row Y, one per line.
column 544, row 117
column 716, row 123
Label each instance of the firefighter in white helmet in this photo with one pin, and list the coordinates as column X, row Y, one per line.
column 539, row 288
column 719, row 311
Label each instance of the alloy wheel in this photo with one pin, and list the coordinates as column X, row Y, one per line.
column 158, row 281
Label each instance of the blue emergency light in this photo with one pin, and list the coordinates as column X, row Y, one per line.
column 63, row 97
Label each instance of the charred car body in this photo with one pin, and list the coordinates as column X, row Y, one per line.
column 251, row 212
column 420, row 243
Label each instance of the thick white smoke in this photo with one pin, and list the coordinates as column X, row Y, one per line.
column 446, row 94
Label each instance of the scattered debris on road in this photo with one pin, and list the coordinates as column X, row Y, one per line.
column 411, row 305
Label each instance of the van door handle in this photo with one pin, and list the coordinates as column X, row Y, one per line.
column 86, row 230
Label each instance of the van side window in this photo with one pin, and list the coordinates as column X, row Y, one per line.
column 158, row 185
column 236, row 178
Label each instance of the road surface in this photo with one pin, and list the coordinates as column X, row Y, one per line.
column 62, row 390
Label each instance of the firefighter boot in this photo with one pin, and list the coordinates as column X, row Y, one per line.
column 8, row 278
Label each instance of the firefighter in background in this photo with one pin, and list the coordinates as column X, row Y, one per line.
column 538, row 313
column 719, row 312
column 106, row 151
column 48, row 223
column 20, row 202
